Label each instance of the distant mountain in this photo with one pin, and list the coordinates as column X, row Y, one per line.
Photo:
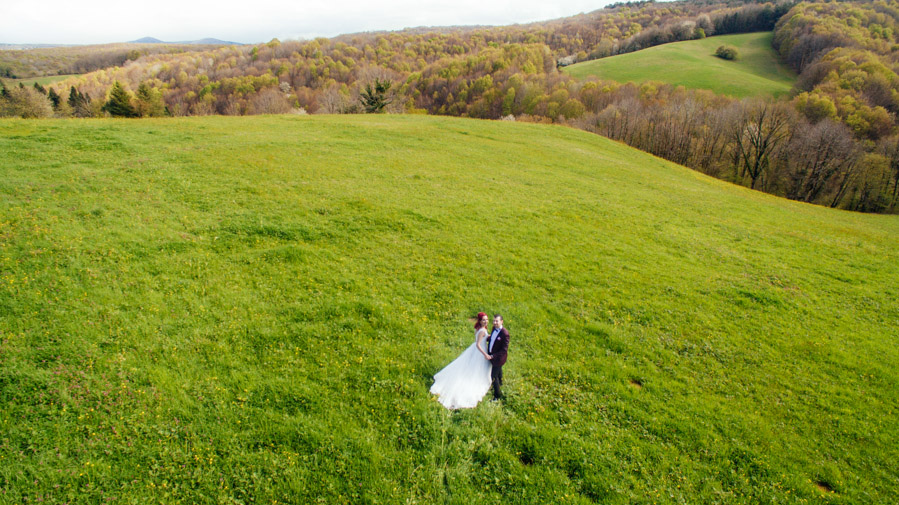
column 205, row 42
column 147, row 40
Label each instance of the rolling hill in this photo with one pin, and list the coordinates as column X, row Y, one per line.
column 693, row 64
column 43, row 81
column 250, row 309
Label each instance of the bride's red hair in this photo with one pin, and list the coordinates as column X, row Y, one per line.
column 478, row 323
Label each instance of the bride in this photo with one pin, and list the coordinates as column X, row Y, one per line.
column 463, row 383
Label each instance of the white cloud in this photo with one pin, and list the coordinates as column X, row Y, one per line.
column 99, row 21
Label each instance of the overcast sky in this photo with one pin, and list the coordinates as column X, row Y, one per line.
column 101, row 21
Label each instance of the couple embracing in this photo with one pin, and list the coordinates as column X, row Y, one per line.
column 463, row 383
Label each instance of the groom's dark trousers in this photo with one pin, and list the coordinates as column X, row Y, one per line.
column 496, row 375
column 499, row 351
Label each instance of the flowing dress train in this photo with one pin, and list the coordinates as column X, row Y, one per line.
column 464, row 382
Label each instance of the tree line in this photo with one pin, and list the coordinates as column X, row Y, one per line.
column 328, row 74
column 47, row 61
column 763, row 144
column 833, row 142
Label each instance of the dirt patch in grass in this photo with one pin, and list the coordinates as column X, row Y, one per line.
column 824, row 486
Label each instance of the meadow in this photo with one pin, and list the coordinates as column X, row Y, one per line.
column 250, row 310
column 43, row 81
column 693, row 64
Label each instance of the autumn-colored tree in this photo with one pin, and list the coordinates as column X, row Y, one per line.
column 25, row 102
column 148, row 101
column 572, row 109
column 269, row 101
column 727, row 53
column 816, row 106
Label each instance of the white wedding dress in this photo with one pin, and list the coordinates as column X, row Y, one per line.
column 463, row 383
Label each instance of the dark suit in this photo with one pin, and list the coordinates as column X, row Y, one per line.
column 499, row 352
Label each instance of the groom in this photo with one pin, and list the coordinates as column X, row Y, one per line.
column 497, row 349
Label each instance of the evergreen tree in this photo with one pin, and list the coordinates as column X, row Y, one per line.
column 119, row 103
column 374, row 99
column 73, row 97
column 54, row 98
column 39, row 88
column 80, row 103
column 4, row 93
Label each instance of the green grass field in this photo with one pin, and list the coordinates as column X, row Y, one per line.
column 693, row 64
column 250, row 310
column 43, row 81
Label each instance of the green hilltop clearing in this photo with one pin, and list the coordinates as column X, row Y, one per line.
column 693, row 64
column 43, row 81
column 250, row 309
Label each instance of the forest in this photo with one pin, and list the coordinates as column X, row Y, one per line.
column 832, row 142
column 65, row 60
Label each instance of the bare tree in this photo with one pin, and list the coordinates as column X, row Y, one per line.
column 890, row 150
column 819, row 154
column 760, row 129
column 332, row 101
column 617, row 120
column 711, row 144
column 269, row 101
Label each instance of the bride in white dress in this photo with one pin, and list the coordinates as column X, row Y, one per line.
column 463, row 383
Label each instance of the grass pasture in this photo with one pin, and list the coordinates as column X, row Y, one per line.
column 43, row 81
column 249, row 310
column 693, row 64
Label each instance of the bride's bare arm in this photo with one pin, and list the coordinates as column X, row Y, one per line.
column 479, row 341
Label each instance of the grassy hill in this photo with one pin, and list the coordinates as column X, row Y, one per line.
column 44, row 81
column 693, row 64
column 237, row 310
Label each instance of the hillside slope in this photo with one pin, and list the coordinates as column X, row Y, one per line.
column 224, row 309
column 693, row 64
